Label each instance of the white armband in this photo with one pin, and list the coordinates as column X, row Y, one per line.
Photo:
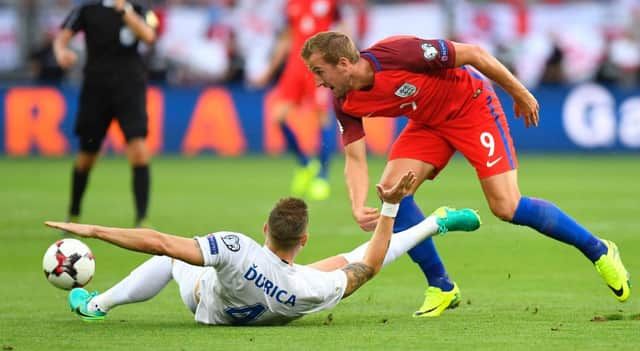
column 389, row 210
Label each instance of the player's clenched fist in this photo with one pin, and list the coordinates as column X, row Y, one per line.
column 366, row 217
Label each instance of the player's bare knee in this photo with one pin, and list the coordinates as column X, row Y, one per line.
column 503, row 210
column 137, row 152
column 85, row 161
column 139, row 162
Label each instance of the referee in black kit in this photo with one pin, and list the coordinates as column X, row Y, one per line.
column 114, row 86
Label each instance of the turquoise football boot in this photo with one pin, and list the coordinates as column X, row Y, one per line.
column 78, row 301
column 451, row 220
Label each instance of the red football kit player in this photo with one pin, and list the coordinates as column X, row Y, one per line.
column 441, row 87
column 449, row 109
column 296, row 87
column 306, row 18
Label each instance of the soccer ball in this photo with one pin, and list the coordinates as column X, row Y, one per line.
column 68, row 263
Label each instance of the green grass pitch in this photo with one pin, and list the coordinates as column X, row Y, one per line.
column 521, row 290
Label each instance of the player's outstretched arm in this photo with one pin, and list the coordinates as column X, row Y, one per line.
column 142, row 240
column 525, row 104
column 359, row 273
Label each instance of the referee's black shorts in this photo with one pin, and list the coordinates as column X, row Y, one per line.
column 102, row 100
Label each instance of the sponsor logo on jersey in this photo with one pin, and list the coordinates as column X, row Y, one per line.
column 405, row 90
column 444, row 51
column 232, row 242
column 430, row 52
column 270, row 288
column 213, row 244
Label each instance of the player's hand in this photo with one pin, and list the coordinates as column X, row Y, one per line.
column 261, row 81
column 66, row 58
column 366, row 217
column 399, row 190
column 119, row 4
column 526, row 106
column 83, row 230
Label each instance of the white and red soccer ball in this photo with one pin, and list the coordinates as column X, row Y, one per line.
column 68, row 264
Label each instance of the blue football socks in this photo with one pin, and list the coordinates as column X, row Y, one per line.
column 326, row 149
column 551, row 221
column 292, row 143
column 425, row 253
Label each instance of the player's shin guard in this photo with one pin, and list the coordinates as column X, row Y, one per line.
column 425, row 253
column 551, row 221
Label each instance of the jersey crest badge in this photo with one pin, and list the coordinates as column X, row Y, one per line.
column 430, row 52
column 232, row 242
column 407, row 89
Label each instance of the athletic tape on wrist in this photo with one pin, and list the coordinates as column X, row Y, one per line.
column 389, row 210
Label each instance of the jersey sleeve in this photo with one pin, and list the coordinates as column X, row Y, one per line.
column 351, row 128
column 75, row 20
column 411, row 54
column 221, row 248
column 328, row 289
column 336, row 285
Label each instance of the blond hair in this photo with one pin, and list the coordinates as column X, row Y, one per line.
column 332, row 46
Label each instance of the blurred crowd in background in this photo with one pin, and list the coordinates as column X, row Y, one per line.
column 217, row 41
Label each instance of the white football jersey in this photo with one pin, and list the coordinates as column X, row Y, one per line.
column 251, row 285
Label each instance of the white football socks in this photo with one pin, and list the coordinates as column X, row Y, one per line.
column 141, row 284
column 401, row 242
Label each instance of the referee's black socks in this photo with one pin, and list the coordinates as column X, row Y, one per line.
column 78, row 185
column 141, row 182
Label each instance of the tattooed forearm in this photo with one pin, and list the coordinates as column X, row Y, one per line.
column 358, row 273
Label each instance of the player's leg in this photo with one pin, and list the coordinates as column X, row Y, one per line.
column 132, row 116
column 188, row 278
column 426, row 154
column 506, row 203
column 280, row 113
column 139, row 159
column 443, row 220
column 91, row 125
column 489, row 148
column 291, row 91
column 143, row 283
column 85, row 159
column 320, row 188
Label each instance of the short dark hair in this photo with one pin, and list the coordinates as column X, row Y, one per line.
column 288, row 222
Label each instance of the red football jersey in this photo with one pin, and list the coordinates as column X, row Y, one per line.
column 308, row 17
column 415, row 78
